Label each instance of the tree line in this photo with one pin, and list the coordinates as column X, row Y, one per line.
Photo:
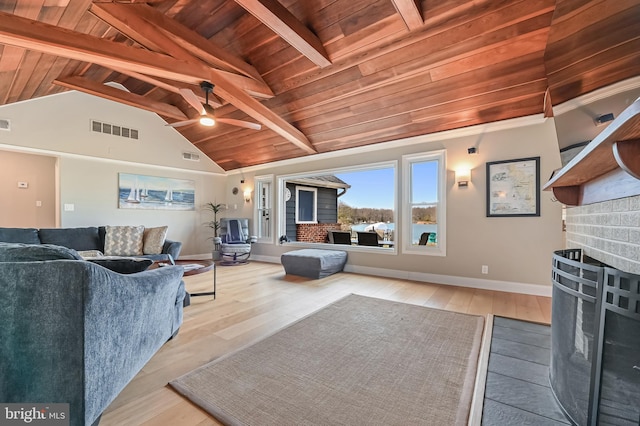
column 348, row 215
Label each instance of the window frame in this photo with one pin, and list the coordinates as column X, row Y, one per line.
column 260, row 182
column 281, row 181
column 300, row 188
column 441, row 203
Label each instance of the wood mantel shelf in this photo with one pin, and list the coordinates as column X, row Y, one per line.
column 608, row 168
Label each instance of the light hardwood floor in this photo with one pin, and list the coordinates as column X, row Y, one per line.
column 258, row 299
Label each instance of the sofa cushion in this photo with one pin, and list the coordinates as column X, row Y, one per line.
column 18, row 252
column 75, row 238
column 153, row 240
column 19, row 235
column 123, row 240
column 122, row 265
column 90, row 253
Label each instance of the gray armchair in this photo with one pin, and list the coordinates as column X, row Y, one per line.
column 75, row 332
column 236, row 241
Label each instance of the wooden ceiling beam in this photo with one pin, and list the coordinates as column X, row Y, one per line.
column 45, row 38
column 91, row 87
column 410, row 13
column 282, row 22
column 193, row 42
column 130, row 22
column 41, row 37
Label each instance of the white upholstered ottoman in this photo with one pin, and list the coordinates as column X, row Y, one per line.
column 313, row 263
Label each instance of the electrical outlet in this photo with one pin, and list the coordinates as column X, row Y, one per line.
column 485, row 269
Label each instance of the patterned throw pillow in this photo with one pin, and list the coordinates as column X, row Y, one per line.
column 123, row 240
column 153, row 240
column 90, row 254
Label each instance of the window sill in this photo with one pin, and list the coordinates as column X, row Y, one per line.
column 345, row 247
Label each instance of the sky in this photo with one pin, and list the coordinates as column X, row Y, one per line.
column 374, row 188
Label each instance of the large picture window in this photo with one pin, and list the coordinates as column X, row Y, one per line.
column 345, row 203
column 424, row 181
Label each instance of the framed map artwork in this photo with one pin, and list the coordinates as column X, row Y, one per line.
column 513, row 187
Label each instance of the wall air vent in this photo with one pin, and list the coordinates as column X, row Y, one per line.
column 5, row 124
column 115, row 130
column 191, row 156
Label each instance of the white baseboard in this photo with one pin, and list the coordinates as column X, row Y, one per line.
column 483, row 284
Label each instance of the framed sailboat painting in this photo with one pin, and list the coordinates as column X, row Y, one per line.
column 155, row 193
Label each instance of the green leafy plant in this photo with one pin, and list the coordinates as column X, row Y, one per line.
column 215, row 223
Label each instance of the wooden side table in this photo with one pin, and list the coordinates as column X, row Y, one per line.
column 191, row 269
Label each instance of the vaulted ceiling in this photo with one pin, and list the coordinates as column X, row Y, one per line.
column 319, row 75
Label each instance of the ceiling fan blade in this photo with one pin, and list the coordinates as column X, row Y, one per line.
column 240, row 123
column 183, row 123
column 192, row 99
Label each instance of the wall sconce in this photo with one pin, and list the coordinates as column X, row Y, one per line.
column 247, row 195
column 463, row 176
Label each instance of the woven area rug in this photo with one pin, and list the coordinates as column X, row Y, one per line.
column 358, row 361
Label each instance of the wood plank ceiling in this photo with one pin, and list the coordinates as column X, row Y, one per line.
column 319, row 75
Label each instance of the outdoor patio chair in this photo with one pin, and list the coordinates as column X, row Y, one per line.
column 340, row 237
column 236, row 242
column 424, row 238
column 368, row 239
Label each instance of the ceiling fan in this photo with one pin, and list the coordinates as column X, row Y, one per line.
column 207, row 116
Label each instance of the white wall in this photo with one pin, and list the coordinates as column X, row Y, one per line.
column 61, row 124
column 33, row 206
column 92, row 187
column 517, row 250
column 89, row 162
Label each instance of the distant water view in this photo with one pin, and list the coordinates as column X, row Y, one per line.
column 417, row 230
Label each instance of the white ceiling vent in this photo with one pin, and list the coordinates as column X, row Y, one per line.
column 113, row 129
column 191, row 156
column 5, row 124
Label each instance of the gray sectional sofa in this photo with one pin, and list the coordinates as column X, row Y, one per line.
column 75, row 332
column 80, row 239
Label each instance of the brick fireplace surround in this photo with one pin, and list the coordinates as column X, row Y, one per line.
column 608, row 231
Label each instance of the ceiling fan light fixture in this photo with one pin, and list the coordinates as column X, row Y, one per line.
column 205, row 120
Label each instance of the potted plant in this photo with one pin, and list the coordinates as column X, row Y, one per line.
column 215, row 225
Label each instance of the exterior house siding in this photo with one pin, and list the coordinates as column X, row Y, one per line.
column 326, row 214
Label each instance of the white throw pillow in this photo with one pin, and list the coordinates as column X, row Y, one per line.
column 153, row 240
column 89, row 254
column 123, row 240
